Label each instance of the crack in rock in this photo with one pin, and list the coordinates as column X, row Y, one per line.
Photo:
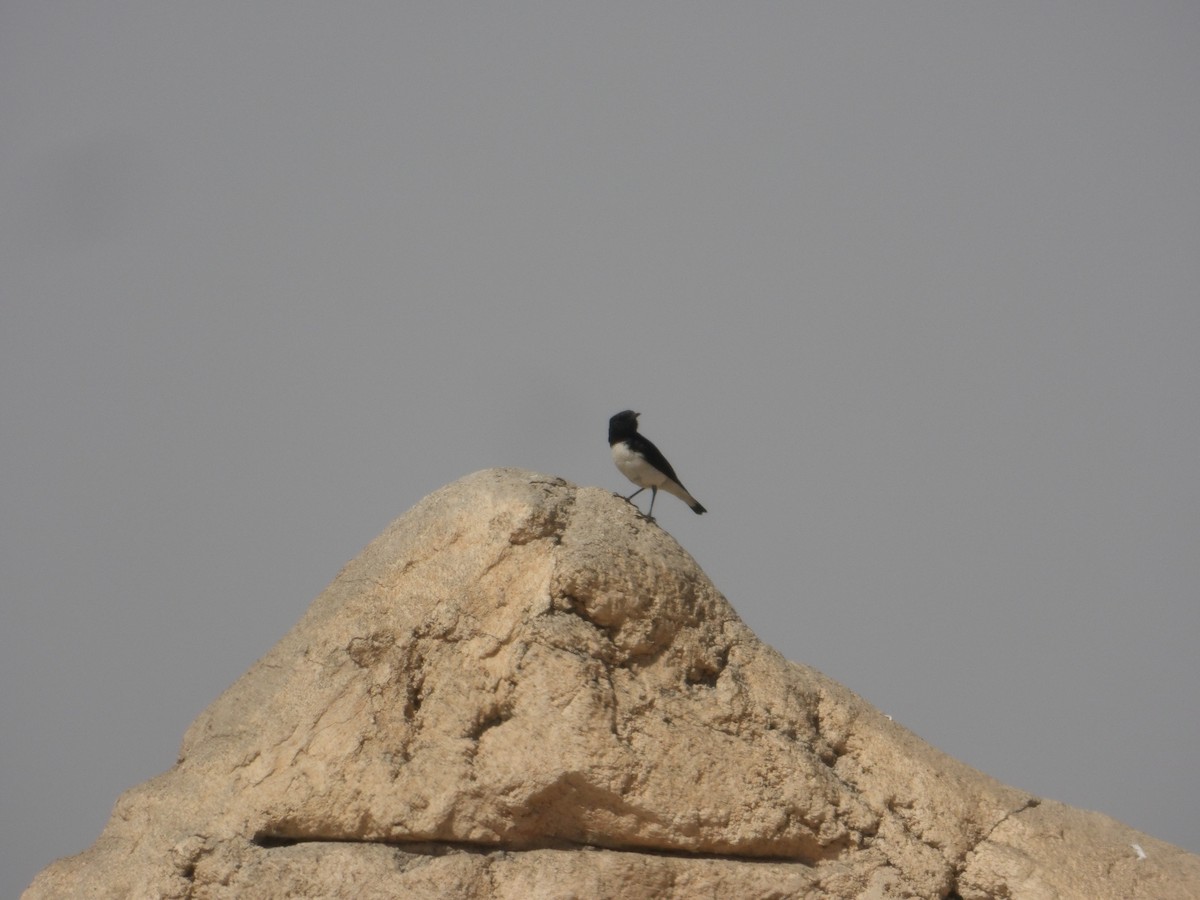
column 961, row 865
column 268, row 841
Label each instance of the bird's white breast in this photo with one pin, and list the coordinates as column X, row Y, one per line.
column 634, row 467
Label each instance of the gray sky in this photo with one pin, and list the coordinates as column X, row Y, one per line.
column 906, row 292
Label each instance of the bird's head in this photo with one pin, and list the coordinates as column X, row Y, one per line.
column 622, row 425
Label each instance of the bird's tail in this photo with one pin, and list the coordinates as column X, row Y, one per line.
column 674, row 487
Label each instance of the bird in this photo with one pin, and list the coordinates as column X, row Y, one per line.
column 643, row 463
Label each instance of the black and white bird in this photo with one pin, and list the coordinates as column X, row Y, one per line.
column 643, row 463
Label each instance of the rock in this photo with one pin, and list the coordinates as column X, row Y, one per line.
column 524, row 689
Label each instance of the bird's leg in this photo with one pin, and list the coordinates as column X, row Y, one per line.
column 653, row 494
column 635, row 493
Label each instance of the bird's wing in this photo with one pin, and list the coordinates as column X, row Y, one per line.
column 653, row 455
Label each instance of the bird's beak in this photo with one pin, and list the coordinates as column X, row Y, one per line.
column 635, row 415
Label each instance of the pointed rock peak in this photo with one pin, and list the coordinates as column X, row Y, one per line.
column 523, row 688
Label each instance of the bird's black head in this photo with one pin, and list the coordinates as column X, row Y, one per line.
column 622, row 425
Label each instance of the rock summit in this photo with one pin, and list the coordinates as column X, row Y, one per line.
column 523, row 689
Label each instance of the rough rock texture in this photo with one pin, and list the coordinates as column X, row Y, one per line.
column 524, row 689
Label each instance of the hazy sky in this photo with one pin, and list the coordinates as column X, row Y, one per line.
column 906, row 292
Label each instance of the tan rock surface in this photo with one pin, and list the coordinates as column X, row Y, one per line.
column 523, row 689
